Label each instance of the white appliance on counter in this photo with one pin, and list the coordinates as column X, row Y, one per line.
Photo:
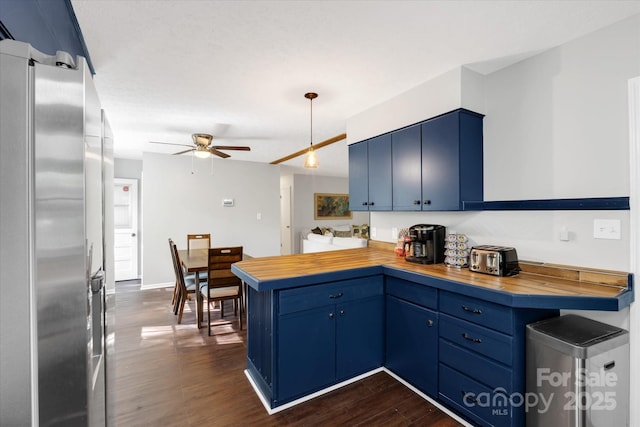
column 57, row 293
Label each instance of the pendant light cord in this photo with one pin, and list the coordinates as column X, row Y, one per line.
column 311, row 127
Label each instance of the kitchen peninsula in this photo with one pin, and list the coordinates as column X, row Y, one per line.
column 319, row 321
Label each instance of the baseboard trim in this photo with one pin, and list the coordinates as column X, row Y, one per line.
column 429, row 399
column 293, row 403
column 144, row 287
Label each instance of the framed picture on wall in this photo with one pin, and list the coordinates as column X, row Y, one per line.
column 331, row 206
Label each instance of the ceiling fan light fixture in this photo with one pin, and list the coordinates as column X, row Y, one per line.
column 311, row 159
column 202, row 152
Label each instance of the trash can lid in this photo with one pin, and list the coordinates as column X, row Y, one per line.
column 576, row 330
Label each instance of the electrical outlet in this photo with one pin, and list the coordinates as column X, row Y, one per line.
column 564, row 234
column 606, row 229
column 374, row 232
column 394, row 233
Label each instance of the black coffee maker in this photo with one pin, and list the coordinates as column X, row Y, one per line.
column 425, row 244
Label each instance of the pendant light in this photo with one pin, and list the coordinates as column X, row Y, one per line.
column 311, row 160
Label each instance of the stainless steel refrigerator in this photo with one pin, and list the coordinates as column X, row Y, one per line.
column 57, row 293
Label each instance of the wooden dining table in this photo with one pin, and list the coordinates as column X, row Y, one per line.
column 197, row 260
column 194, row 260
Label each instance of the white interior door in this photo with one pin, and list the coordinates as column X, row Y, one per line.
column 285, row 221
column 125, row 222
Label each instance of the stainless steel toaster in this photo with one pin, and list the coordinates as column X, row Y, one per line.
column 494, row 260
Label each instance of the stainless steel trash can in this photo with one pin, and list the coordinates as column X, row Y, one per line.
column 577, row 373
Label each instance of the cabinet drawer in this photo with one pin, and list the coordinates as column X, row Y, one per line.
column 486, row 371
column 304, row 298
column 474, row 399
column 478, row 339
column 495, row 316
column 413, row 292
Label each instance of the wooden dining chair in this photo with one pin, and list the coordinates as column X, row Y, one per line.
column 176, row 287
column 222, row 284
column 186, row 285
column 198, row 241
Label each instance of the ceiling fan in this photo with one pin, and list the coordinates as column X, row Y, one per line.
column 202, row 146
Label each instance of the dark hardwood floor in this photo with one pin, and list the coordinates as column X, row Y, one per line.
column 176, row 375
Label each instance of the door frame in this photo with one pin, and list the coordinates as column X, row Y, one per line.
column 132, row 182
column 634, row 250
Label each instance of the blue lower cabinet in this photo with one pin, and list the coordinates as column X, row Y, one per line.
column 306, row 357
column 317, row 346
column 467, row 353
column 477, row 338
column 359, row 337
column 482, row 404
column 482, row 358
column 412, row 344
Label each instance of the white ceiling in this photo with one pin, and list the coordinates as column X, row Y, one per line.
column 239, row 69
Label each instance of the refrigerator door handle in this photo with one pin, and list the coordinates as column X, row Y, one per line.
column 97, row 281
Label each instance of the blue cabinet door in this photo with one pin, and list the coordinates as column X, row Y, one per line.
column 359, row 337
column 305, row 353
column 412, row 344
column 380, row 173
column 406, row 152
column 452, row 169
column 440, row 167
column 358, row 177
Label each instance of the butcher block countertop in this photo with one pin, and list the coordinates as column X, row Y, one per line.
column 536, row 286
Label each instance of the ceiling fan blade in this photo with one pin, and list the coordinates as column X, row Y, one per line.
column 169, row 143
column 218, row 153
column 230, row 147
column 182, row 152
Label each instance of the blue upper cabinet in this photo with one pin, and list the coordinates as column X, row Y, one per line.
column 48, row 25
column 380, row 173
column 370, row 174
column 451, row 161
column 434, row 165
column 358, row 177
column 406, row 149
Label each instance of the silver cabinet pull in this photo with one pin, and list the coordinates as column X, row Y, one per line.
column 472, row 310
column 470, row 338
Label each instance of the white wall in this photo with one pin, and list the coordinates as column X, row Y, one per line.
column 179, row 198
column 304, row 187
column 535, row 234
column 127, row 168
column 556, row 126
column 557, row 123
column 431, row 98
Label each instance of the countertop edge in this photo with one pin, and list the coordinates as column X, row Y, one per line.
column 577, row 302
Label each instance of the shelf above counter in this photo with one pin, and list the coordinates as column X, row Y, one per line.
column 585, row 204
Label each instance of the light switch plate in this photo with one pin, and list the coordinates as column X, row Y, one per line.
column 606, row 229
